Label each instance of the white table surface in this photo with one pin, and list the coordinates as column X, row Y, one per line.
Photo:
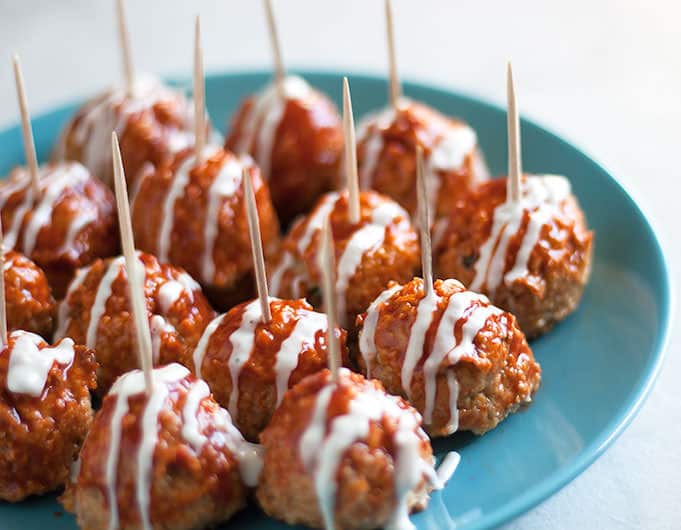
column 604, row 73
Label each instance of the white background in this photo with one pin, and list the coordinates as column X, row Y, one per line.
column 604, row 73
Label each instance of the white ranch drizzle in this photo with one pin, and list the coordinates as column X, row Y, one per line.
column 200, row 350
column 29, row 364
column 322, row 452
column 541, row 197
column 111, row 111
column 367, row 345
column 54, row 180
column 191, row 431
column 63, row 318
column 157, row 327
column 263, row 119
column 101, row 298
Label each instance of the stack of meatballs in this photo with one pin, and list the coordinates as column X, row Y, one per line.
column 243, row 407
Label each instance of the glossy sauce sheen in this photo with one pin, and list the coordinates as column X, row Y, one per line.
column 540, row 200
column 464, row 311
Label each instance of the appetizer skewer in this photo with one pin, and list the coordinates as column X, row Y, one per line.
column 373, row 238
column 153, row 121
column 387, row 141
column 45, row 408
column 254, row 353
column 294, row 134
column 161, row 453
column 523, row 241
column 462, row 362
column 96, row 312
column 191, row 213
column 342, row 453
column 58, row 215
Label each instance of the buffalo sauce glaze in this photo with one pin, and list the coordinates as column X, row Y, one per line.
column 135, row 435
column 384, row 227
column 443, row 331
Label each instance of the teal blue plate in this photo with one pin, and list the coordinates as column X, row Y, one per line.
column 598, row 365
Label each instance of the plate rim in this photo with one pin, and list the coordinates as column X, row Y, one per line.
column 543, row 489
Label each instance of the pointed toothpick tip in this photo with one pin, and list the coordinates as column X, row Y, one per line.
column 424, row 223
column 124, row 43
column 279, row 70
column 395, row 88
column 256, row 245
column 514, row 149
column 351, row 174
column 132, row 267
column 199, row 94
column 327, row 266
column 26, row 129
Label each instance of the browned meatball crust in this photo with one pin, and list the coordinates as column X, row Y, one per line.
column 40, row 435
column 29, row 302
column 300, row 154
column 556, row 270
column 178, row 313
column 282, row 351
column 468, row 357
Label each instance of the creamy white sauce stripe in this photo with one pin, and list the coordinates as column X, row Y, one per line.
column 29, row 365
column 158, row 326
column 20, row 182
column 63, row 318
column 101, row 298
column 200, row 351
column 242, row 341
column 191, row 431
column 417, row 337
column 262, row 121
column 322, row 452
column 367, row 335
column 541, row 197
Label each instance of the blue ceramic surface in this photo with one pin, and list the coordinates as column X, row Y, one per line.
column 598, row 365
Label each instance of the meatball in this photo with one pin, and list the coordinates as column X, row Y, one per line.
column 96, row 312
column 463, row 363
column 194, row 216
column 153, row 124
column 344, row 454
column 71, row 223
column 382, row 247
column 170, row 460
column 29, row 302
column 45, row 412
column 532, row 258
column 386, row 154
column 297, row 141
column 265, row 359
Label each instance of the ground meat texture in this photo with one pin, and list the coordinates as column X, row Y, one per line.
column 366, row 496
column 493, row 366
column 556, row 271
column 382, row 247
column 152, row 124
column 300, row 156
column 295, row 330
column 195, row 217
column 178, row 313
column 386, row 153
column 191, row 484
column 70, row 224
column 40, row 436
column 29, row 302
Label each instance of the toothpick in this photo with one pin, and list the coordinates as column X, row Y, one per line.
column 351, row 176
column 279, row 72
column 3, row 306
column 424, row 223
column 124, row 42
column 327, row 265
column 256, row 245
column 395, row 88
column 29, row 144
column 132, row 266
column 514, row 154
column 199, row 95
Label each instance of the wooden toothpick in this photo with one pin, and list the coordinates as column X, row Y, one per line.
column 256, row 245
column 3, row 306
column 394, row 82
column 199, row 95
column 27, row 130
column 351, row 176
column 279, row 72
column 327, row 265
column 424, row 223
column 132, row 266
column 514, row 154
column 124, row 42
